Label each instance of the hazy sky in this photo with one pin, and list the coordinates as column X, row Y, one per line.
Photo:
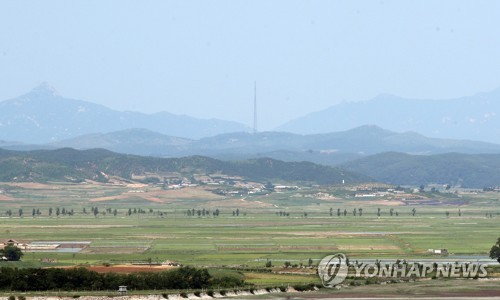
column 201, row 58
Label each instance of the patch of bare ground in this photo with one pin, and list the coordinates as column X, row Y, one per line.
column 238, row 203
column 366, row 248
column 34, row 185
column 388, row 202
column 5, row 198
column 162, row 196
column 197, row 192
column 126, row 269
column 112, row 198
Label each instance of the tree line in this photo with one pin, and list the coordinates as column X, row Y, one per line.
column 96, row 212
column 13, row 279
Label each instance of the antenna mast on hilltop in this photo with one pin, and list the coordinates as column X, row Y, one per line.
column 255, row 107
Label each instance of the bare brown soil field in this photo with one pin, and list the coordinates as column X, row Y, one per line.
column 387, row 202
column 5, row 198
column 197, row 192
column 128, row 196
column 239, row 203
column 130, row 268
column 366, row 248
column 126, row 269
column 163, row 196
column 34, row 185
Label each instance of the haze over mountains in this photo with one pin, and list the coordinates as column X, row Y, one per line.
column 473, row 117
column 41, row 119
column 42, row 116
column 329, row 149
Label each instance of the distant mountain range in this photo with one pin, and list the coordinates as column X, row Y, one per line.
column 328, row 149
column 41, row 120
column 42, row 116
column 475, row 117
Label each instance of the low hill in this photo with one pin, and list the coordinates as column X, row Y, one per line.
column 466, row 170
column 99, row 165
column 129, row 141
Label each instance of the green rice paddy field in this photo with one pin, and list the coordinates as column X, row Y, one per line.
column 256, row 235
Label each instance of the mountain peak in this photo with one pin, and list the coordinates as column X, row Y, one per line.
column 44, row 89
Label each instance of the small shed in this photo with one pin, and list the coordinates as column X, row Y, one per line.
column 11, row 242
column 122, row 289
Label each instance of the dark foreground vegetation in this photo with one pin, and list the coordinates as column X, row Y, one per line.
column 13, row 279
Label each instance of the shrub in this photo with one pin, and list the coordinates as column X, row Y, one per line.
column 355, row 283
column 227, row 281
column 305, row 287
column 372, row 280
column 12, row 252
column 301, row 287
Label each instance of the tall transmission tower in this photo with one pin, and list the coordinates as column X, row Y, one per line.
column 255, row 107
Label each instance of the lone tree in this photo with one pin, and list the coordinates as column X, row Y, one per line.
column 12, row 252
column 495, row 251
